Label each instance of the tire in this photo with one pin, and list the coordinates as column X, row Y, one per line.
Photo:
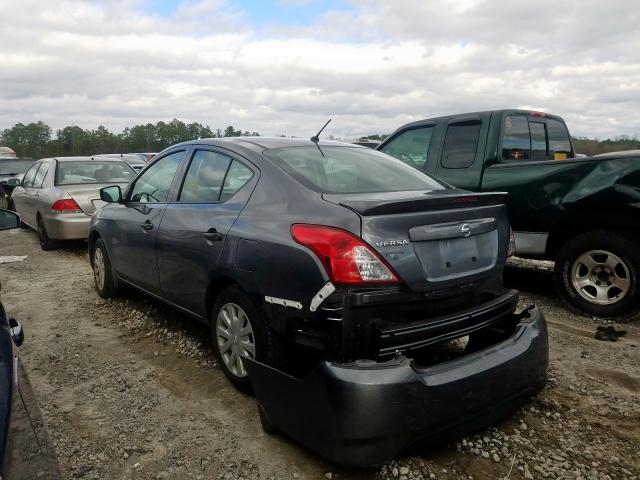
column 231, row 335
column 597, row 273
column 102, row 272
column 46, row 243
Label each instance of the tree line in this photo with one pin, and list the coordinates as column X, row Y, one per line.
column 37, row 140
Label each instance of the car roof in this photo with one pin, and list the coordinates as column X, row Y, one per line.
column 267, row 143
column 84, row 159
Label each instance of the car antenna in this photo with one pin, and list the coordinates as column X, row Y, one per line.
column 316, row 138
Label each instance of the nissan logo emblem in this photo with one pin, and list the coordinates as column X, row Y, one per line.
column 466, row 230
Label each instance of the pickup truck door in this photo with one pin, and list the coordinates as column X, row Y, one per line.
column 461, row 151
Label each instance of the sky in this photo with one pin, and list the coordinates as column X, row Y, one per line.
column 286, row 66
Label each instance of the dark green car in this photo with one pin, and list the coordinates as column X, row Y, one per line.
column 583, row 213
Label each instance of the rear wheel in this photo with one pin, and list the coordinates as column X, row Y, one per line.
column 240, row 330
column 102, row 273
column 597, row 273
column 46, row 243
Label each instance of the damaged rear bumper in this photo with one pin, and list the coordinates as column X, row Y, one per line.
column 365, row 413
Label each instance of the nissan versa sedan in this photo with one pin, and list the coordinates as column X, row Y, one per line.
column 359, row 297
column 58, row 196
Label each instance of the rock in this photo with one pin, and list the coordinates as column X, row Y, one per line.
column 496, row 458
column 404, row 471
column 485, row 454
column 328, row 475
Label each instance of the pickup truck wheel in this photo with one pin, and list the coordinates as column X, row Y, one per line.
column 240, row 329
column 597, row 273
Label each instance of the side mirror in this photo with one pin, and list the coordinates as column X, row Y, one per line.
column 9, row 219
column 17, row 334
column 111, row 194
column 13, row 182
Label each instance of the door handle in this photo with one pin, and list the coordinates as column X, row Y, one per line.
column 212, row 235
column 147, row 225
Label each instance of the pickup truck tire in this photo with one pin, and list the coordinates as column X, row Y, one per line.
column 239, row 327
column 597, row 273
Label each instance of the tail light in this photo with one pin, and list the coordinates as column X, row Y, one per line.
column 66, row 205
column 346, row 257
column 512, row 244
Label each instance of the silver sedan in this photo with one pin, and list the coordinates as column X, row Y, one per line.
column 58, row 196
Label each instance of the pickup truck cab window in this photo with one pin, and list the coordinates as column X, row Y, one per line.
column 516, row 144
column 559, row 142
column 154, row 185
column 460, row 144
column 411, row 146
column 539, row 147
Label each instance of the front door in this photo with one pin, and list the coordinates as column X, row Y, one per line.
column 194, row 228
column 137, row 222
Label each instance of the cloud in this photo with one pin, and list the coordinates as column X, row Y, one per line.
column 371, row 68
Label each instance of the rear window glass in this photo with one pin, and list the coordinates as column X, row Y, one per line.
column 411, row 146
column 559, row 143
column 538, row 141
column 460, row 145
column 516, row 144
column 14, row 167
column 93, row 171
column 350, row 170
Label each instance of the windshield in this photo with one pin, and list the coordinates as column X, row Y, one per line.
column 350, row 170
column 72, row 173
column 16, row 167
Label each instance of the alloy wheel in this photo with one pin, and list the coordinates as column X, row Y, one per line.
column 235, row 339
column 601, row 277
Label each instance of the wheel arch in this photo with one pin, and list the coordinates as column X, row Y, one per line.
column 91, row 243
column 624, row 221
column 217, row 285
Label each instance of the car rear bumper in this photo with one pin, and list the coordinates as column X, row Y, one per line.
column 67, row 226
column 365, row 413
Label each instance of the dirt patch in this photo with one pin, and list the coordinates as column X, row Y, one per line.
column 130, row 390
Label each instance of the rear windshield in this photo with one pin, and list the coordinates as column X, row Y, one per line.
column 15, row 167
column 350, row 170
column 94, row 171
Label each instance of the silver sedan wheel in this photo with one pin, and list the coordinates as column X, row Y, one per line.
column 234, row 335
column 601, row 277
column 98, row 268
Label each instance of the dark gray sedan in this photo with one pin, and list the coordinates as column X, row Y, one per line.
column 329, row 274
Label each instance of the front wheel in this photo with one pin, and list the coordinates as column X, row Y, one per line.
column 597, row 273
column 240, row 330
column 102, row 273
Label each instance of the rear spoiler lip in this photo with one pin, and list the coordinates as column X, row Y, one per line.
column 441, row 202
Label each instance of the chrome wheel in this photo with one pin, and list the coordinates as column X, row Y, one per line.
column 601, row 277
column 98, row 268
column 235, row 339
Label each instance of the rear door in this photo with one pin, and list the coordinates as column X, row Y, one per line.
column 214, row 188
column 136, row 223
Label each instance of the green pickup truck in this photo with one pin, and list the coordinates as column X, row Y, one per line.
column 583, row 213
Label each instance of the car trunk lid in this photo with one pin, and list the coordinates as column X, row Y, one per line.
column 88, row 196
column 434, row 239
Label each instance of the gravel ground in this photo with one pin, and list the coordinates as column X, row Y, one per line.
column 130, row 390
